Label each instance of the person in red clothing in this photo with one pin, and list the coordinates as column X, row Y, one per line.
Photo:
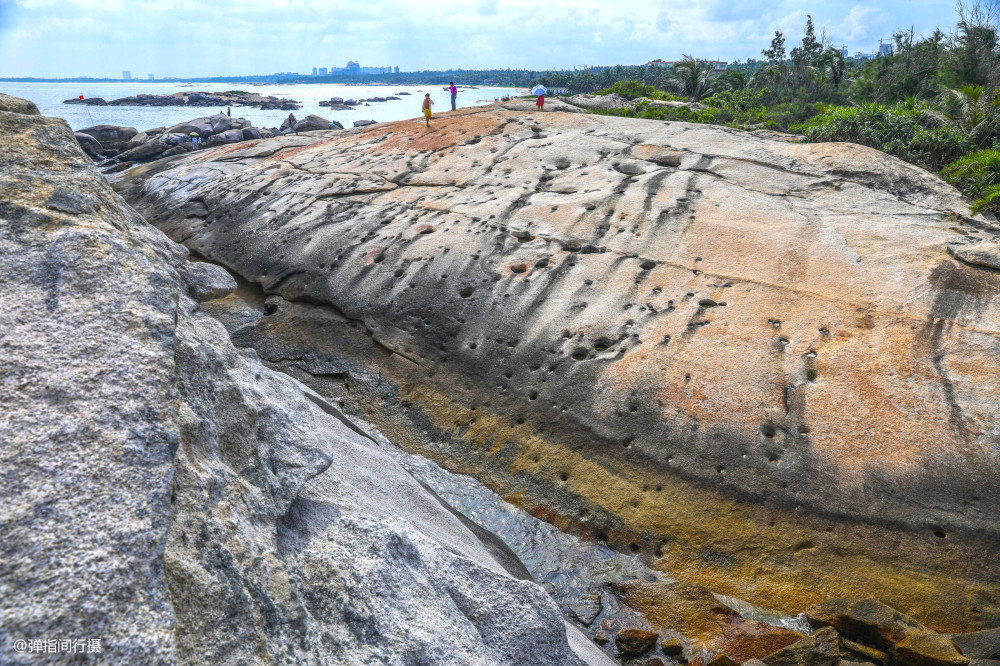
column 540, row 102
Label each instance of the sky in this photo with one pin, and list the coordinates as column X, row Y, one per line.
column 192, row 38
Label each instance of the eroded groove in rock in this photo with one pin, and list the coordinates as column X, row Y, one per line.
column 704, row 345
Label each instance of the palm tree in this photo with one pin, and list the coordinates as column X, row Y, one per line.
column 971, row 109
column 694, row 78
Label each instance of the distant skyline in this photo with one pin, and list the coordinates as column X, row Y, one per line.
column 188, row 38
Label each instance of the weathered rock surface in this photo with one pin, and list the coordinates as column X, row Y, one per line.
column 635, row 642
column 17, row 105
column 90, row 145
column 871, row 621
column 750, row 360
column 166, row 492
column 820, row 649
column 111, row 137
column 311, row 123
column 977, row 251
column 979, row 644
column 612, row 102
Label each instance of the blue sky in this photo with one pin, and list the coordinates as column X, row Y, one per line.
column 187, row 38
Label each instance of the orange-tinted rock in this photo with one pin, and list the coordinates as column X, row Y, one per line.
column 743, row 640
column 820, row 649
column 871, row 621
column 635, row 642
column 925, row 648
column 688, row 609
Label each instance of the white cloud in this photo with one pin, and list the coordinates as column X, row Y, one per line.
column 198, row 38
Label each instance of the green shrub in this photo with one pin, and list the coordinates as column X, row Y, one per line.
column 633, row 89
column 978, row 176
column 897, row 130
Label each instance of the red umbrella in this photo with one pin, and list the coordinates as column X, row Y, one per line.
column 81, row 96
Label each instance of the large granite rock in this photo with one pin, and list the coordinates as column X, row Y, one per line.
column 752, row 361
column 165, row 492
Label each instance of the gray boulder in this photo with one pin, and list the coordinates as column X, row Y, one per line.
column 111, row 137
column 251, row 133
column 206, row 281
column 17, row 105
column 179, row 149
column 90, row 145
column 154, row 147
column 311, row 123
column 979, row 645
column 221, row 123
column 266, row 133
column 229, row 136
column 288, row 122
column 202, row 126
column 363, row 123
column 977, row 251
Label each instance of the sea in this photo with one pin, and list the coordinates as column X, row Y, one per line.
column 49, row 99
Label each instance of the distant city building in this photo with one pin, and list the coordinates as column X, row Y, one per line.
column 884, row 49
column 717, row 65
column 127, row 75
column 354, row 68
column 314, row 71
column 150, row 77
column 842, row 51
column 858, row 55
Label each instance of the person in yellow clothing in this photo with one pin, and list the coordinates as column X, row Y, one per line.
column 428, row 102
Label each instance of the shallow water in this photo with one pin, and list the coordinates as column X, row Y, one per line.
column 49, row 97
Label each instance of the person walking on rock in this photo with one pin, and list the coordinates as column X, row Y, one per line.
column 428, row 103
column 229, row 111
column 454, row 94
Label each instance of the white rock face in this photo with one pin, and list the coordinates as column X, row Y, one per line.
column 166, row 492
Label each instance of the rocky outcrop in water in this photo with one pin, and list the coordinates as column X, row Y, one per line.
column 231, row 98
column 118, row 148
column 166, row 492
column 751, row 361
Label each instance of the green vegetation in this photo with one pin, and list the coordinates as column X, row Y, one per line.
column 978, row 175
column 898, row 129
column 933, row 101
column 632, row 89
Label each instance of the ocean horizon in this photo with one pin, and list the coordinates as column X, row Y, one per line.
column 49, row 97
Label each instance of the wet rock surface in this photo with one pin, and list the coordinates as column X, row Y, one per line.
column 536, row 286
column 173, row 496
